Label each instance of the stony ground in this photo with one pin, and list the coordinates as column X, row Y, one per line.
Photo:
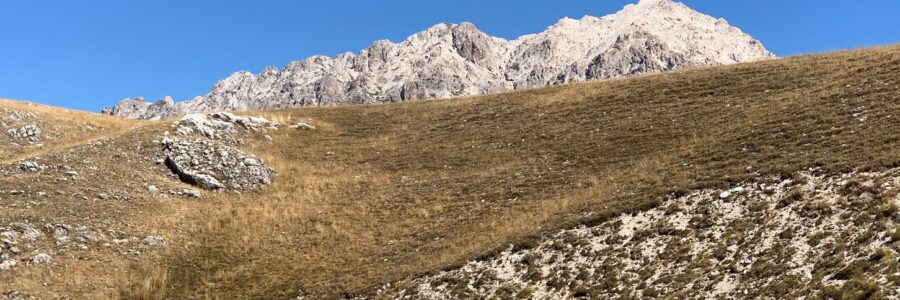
column 813, row 236
column 76, row 218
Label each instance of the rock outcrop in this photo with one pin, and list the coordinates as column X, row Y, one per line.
column 219, row 124
column 450, row 60
column 814, row 236
column 208, row 160
column 635, row 53
column 212, row 165
column 29, row 133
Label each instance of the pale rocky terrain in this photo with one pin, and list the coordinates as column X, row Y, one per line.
column 452, row 60
column 811, row 236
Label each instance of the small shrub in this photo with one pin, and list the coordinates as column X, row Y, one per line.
column 879, row 254
column 526, row 293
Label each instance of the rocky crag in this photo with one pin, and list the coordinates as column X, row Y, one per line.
column 451, row 60
column 205, row 152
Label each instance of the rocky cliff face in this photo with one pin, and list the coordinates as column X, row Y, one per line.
column 450, row 60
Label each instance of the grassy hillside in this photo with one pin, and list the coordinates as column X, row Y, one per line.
column 60, row 128
column 383, row 193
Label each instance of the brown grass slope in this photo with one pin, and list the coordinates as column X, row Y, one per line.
column 112, row 156
column 383, row 193
column 61, row 128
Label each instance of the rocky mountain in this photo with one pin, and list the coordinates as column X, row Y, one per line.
column 451, row 60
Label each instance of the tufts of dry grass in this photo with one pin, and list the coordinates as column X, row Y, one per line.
column 62, row 128
column 382, row 193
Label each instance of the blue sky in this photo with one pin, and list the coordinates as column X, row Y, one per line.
column 88, row 54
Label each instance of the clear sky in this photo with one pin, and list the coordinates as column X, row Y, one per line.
column 88, row 54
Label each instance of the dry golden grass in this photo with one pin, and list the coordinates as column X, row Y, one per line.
column 383, row 193
column 62, row 128
column 119, row 164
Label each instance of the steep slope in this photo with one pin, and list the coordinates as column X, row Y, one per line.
column 824, row 237
column 451, row 60
column 388, row 193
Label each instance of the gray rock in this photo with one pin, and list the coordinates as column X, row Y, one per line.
column 89, row 235
column 30, row 166
column 219, row 125
column 213, row 165
column 16, row 295
column 7, row 264
column 471, row 44
column 30, row 133
column 26, row 232
column 154, row 241
column 40, row 259
column 451, row 60
column 70, row 173
column 302, row 126
column 635, row 53
column 192, row 193
column 60, row 232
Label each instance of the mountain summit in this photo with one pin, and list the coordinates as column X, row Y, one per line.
column 450, row 60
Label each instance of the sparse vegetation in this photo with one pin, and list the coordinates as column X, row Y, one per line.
column 379, row 194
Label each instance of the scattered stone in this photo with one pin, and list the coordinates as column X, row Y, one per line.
column 15, row 295
column 30, row 166
column 302, row 126
column 153, row 189
column 192, row 193
column 30, row 133
column 40, row 259
column 88, row 235
column 7, row 264
column 19, row 115
column 71, row 173
column 744, row 245
column 103, row 196
column 124, row 241
column 154, row 241
column 60, row 232
column 27, row 232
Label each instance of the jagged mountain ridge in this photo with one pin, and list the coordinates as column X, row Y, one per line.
column 451, row 60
